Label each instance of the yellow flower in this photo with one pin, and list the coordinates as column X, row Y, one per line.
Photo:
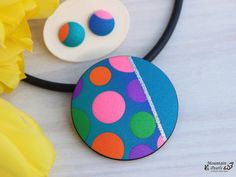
column 11, row 71
column 24, row 149
column 15, row 36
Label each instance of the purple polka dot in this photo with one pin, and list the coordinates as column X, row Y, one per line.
column 135, row 91
column 78, row 89
column 140, row 151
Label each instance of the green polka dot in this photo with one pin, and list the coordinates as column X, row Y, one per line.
column 81, row 123
column 143, row 125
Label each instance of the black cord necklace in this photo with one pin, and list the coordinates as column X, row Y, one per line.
column 123, row 107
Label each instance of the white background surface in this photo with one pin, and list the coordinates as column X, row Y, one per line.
column 200, row 59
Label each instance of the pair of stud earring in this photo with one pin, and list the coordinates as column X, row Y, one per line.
column 101, row 23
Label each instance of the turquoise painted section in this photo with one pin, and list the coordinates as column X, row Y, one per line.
column 162, row 92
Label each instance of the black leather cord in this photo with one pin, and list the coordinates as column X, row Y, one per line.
column 63, row 87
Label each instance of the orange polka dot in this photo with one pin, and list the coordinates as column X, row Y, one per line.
column 100, row 76
column 109, row 145
column 63, row 32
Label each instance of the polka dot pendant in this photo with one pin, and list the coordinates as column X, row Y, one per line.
column 124, row 108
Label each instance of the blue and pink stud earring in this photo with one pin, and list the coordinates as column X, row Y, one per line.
column 101, row 23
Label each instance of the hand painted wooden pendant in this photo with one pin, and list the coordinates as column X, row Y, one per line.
column 124, row 108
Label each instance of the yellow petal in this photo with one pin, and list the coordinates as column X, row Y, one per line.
column 2, row 35
column 11, row 155
column 24, row 149
column 22, row 36
column 7, row 2
column 45, row 8
column 1, row 88
column 11, row 72
column 12, row 14
column 21, row 65
column 30, row 7
column 11, row 50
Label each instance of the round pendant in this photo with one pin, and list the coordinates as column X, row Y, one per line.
column 124, row 108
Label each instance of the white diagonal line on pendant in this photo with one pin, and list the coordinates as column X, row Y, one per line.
column 149, row 100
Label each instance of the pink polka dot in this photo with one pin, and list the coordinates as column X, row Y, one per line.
column 108, row 107
column 160, row 142
column 104, row 14
column 121, row 63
